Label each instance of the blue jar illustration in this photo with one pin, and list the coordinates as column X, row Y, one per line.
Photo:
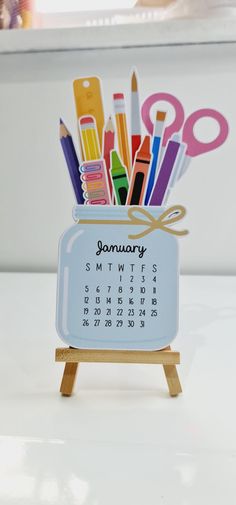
column 118, row 276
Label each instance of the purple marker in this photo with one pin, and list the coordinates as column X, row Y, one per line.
column 165, row 171
column 72, row 161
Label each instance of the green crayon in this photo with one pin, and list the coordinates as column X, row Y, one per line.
column 119, row 179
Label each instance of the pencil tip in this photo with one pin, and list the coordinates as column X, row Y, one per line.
column 134, row 82
column 109, row 125
column 115, row 160
column 64, row 132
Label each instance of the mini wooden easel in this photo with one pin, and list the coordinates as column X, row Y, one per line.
column 72, row 357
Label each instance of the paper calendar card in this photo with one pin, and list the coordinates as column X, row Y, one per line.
column 118, row 279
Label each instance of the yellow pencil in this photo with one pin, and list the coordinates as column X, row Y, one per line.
column 89, row 138
column 122, row 131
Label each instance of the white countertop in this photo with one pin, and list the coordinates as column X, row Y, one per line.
column 120, row 439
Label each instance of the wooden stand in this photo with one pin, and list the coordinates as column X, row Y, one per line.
column 72, row 357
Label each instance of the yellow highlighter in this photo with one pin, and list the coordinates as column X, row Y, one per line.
column 89, row 137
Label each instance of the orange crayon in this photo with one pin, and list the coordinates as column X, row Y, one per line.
column 140, row 174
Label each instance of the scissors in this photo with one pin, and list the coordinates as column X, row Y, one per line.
column 194, row 146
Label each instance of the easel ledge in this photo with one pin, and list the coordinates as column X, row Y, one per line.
column 72, row 357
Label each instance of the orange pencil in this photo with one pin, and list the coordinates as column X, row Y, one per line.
column 108, row 146
column 140, row 174
column 122, row 130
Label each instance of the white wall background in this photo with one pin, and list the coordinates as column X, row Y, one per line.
column 36, row 198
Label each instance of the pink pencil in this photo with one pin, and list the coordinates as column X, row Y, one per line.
column 108, row 146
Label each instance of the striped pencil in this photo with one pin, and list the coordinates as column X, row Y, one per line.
column 122, row 130
column 89, row 136
column 108, row 146
column 72, row 161
column 135, row 117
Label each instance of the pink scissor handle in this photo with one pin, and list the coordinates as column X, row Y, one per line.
column 195, row 147
column 179, row 114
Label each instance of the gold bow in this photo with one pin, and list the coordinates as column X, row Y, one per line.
column 168, row 217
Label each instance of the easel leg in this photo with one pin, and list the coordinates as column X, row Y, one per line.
column 68, row 379
column 172, row 378
column 72, row 357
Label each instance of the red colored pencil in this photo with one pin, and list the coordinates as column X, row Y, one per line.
column 108, row 146
column 135, row 117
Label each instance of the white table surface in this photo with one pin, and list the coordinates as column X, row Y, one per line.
column 120, row 439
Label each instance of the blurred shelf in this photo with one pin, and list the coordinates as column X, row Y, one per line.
column 130, row 35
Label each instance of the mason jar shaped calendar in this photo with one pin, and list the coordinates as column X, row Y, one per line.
column 118, row 275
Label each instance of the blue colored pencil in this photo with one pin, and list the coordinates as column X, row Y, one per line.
column 72, row 161
column 156, row 148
